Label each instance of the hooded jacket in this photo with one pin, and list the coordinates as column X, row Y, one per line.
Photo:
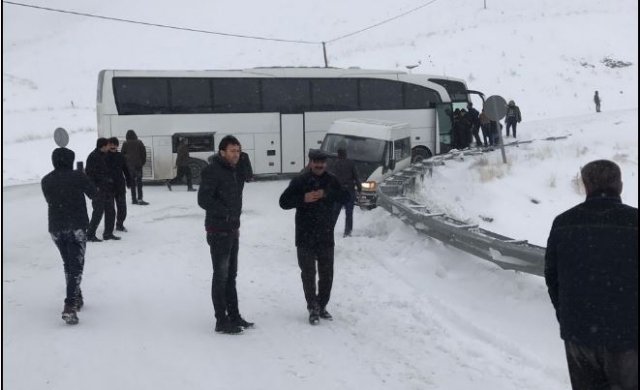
column 64, row 190
column 134, row 151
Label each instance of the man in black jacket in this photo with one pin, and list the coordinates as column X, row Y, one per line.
column 314, row 194
column 345, row 171
column 102, row 203
column 65, row 189
column 119, row 171
column 220, row 194
column 591, row 270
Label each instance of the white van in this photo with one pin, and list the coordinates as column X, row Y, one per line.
column 379, row 148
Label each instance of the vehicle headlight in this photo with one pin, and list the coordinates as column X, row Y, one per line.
column 369, row 186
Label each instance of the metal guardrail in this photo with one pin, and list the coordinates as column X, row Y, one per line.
column 506, row 252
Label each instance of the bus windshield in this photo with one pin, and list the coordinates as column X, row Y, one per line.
column 358, row 149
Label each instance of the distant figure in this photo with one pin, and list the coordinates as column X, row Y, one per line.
column 119, row 170
column 591, row 270
column 513, row 117
column 102, row 203
column 486, row 128
column 347, row 174
column 474, row 118
column 182, row 165
column 313, row 194
column 596, row 100
column 244, row 167
column 65, row 189
column 136, row 154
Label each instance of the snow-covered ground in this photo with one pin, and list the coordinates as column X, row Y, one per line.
column 410, row 312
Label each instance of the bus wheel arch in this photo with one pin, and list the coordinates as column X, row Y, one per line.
column 420, row 153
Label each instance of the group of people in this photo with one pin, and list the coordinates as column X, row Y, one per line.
column 468, row 123
column 591, row 262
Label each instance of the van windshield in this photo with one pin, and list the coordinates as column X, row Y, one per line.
column 358, row 148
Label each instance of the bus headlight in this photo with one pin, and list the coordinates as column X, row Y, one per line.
column 369, row 186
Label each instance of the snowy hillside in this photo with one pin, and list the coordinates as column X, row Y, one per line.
column 410, row 312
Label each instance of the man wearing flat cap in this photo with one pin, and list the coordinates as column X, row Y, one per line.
column 313, row 194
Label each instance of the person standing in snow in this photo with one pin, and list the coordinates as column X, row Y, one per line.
column 591, row 270
column 117, row 166
column 596, row 100
column 64, row 190
column 220, row 194
column 102, row 203
column 314, row 194
column 513, row 117
column 474, row 117
column 345, row 171
column 135, row 153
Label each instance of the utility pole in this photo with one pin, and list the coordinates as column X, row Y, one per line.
column 324, row 51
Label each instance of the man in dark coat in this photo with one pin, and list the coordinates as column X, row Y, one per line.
column 347, row 174
column 65, row 189
column 102, row 203
column 135, row 153
column 313, row 194
column 596, row 100
column 220, row 194
column 591, row 270
column 513, row 117
column 474, row 118
column 117, row 166
column 182, row 165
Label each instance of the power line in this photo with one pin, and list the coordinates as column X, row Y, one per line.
column 161, row 25
column 381, row 23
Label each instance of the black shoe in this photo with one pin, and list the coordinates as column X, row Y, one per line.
column 324, row 314
column 314, row 316
column 142, row 203
column 93, row 239
column 79, row 303
column 241, row 322
column 168, row 184
column 227, row 327
column 134, row 202
column 110, row 237
column 121, row 228
column 346, row 235
column 191, row 189
column 69, row 315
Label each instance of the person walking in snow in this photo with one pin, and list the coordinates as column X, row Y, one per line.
column 102, row 203
column 345, row 171
column 513, row 117
column 182, row 165
column 119, row 170
column 596, row 100
column 220, row 194
column 64, row 190
column 313, row 194
column 135, row 153
column 591, row 270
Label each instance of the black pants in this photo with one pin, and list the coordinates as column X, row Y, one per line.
column 475, row 130
column 511, row 123
column 72, row 244
column 307, row 258
column 600, row 368
column 224, row 257
column 183, row 171
column 348, row 210
column 121, row 207
column 102, row 204
column 136, row 177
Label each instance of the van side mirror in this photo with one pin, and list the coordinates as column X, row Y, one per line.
column 392, row 164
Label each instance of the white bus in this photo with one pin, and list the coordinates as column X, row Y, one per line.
column 278, row 114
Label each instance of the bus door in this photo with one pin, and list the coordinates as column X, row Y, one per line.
column 292, row 136
column 444, row 127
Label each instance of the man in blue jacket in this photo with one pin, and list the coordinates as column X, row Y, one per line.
column 591, row 270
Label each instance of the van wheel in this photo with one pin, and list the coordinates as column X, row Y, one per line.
column 196, row 166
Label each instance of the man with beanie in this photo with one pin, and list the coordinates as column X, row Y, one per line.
column 64, row 190
column 135, row 153
column 314, row 194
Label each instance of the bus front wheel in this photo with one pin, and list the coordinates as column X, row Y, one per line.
column 196, row 165
column 420, row 153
